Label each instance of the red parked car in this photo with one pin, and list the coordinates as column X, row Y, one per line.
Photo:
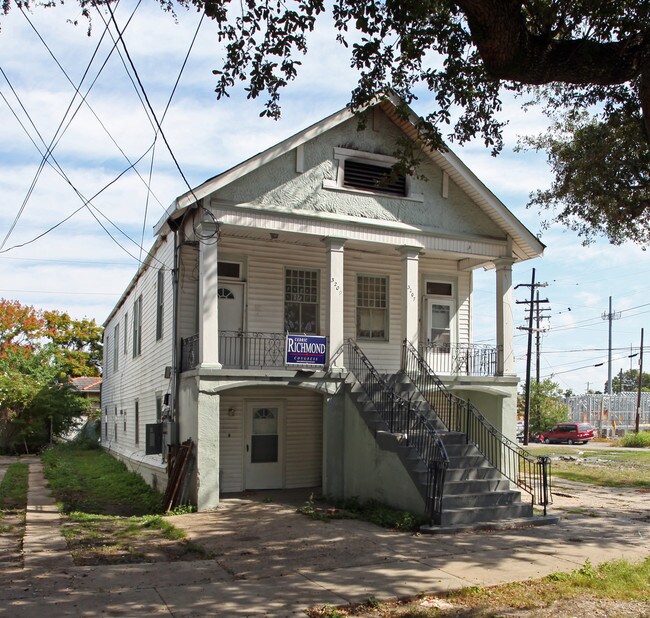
column 571, row 433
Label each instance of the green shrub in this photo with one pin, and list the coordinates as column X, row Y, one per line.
column 636, row 440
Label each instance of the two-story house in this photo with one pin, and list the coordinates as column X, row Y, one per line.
column 280, row 314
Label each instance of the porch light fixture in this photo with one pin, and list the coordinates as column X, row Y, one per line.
column 231, row 411
column 274, row 235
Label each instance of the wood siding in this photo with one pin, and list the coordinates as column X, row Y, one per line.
column 139, row 378
column 303, row 435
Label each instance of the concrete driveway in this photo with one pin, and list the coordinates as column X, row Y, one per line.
column 269, row 560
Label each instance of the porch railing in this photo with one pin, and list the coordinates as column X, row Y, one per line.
column 469, row 359
column 402, row 417
column 531, row 474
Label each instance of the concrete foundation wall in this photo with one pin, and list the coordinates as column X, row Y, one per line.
column 369, row 472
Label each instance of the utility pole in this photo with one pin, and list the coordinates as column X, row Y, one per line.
column 610, row 316
column 533, row 286
column 638, row 392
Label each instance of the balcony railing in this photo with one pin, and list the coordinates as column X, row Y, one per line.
column 239, row 350
column 464, row 359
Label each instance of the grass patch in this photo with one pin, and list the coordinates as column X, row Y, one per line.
column 606, row 468
column 113, row 516
column 371, row 511
column 13, row 489
column 636, row 440
column 611, row 582
column 110, row 539
column 92, row 481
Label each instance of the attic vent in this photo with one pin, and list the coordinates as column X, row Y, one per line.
column 372, row 178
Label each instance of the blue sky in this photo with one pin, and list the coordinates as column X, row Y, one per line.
column 84, row 263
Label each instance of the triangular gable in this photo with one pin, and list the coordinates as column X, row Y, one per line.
column 525, row 244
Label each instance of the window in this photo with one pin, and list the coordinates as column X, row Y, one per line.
column 369, row 177
column 301, row 301
column 439, row 315
column 372, row 307
column 136, row 423
column 438, row 288
column 126, row 332
column 440, row 324
column 137, row 326
column 264, row 435
column 107, row 352
column 116, row 346
column 231, row 270
column 160, row 304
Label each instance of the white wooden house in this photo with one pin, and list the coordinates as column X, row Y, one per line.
column 311, row 236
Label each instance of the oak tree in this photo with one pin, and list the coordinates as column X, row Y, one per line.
column 586, row 62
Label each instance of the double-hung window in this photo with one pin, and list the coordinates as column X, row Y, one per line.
column 372, row 307
column 116, row 347
column 301, row 301
column 137, row 327
column 160, row 304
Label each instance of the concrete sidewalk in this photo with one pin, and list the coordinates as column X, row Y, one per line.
column 271, row 561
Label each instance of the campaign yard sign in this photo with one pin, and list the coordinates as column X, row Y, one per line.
column 305, row 350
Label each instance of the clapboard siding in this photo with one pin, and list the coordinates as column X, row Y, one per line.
column 188, row 291
column 266, row 263
column 142, row 377
column 385, row 355
column 303, row 435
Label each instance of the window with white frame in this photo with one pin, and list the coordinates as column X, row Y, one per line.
column 372, row 307
column 137, row 327
column 116, row 347
column 126, row 332
column 301, row 301
column 107, row 352
column 160, row 304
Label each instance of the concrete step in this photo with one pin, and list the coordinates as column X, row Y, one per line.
column 481, row 500
column 470, row 515
column 469, row 461
column 472, row 486
column 462, row 450
column 453, row 437
column 471, row 474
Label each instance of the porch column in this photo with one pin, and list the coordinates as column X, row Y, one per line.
column 410, row 294
column 208, row 303
column 505, row 326
column 335, row 273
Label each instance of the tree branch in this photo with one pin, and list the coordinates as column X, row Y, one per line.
column 510, row 51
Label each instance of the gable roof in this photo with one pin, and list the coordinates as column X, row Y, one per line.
column 525, row 245
column 88, row 384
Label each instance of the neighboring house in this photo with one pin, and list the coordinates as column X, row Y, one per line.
column 89, row 387
column 311, row 237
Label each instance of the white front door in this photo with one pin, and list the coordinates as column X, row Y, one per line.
column 264, row 445
column 231, row 322
column 439, row 320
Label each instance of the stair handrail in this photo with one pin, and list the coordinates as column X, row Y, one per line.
column 401, row 416
column 531, row 473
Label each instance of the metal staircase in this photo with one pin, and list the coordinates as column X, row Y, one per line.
column 463, row 467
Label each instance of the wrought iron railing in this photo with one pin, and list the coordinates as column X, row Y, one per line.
column 244, row 350
column 402, row 417
column 469, row 359
column 531, row 474
column 239, row 350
